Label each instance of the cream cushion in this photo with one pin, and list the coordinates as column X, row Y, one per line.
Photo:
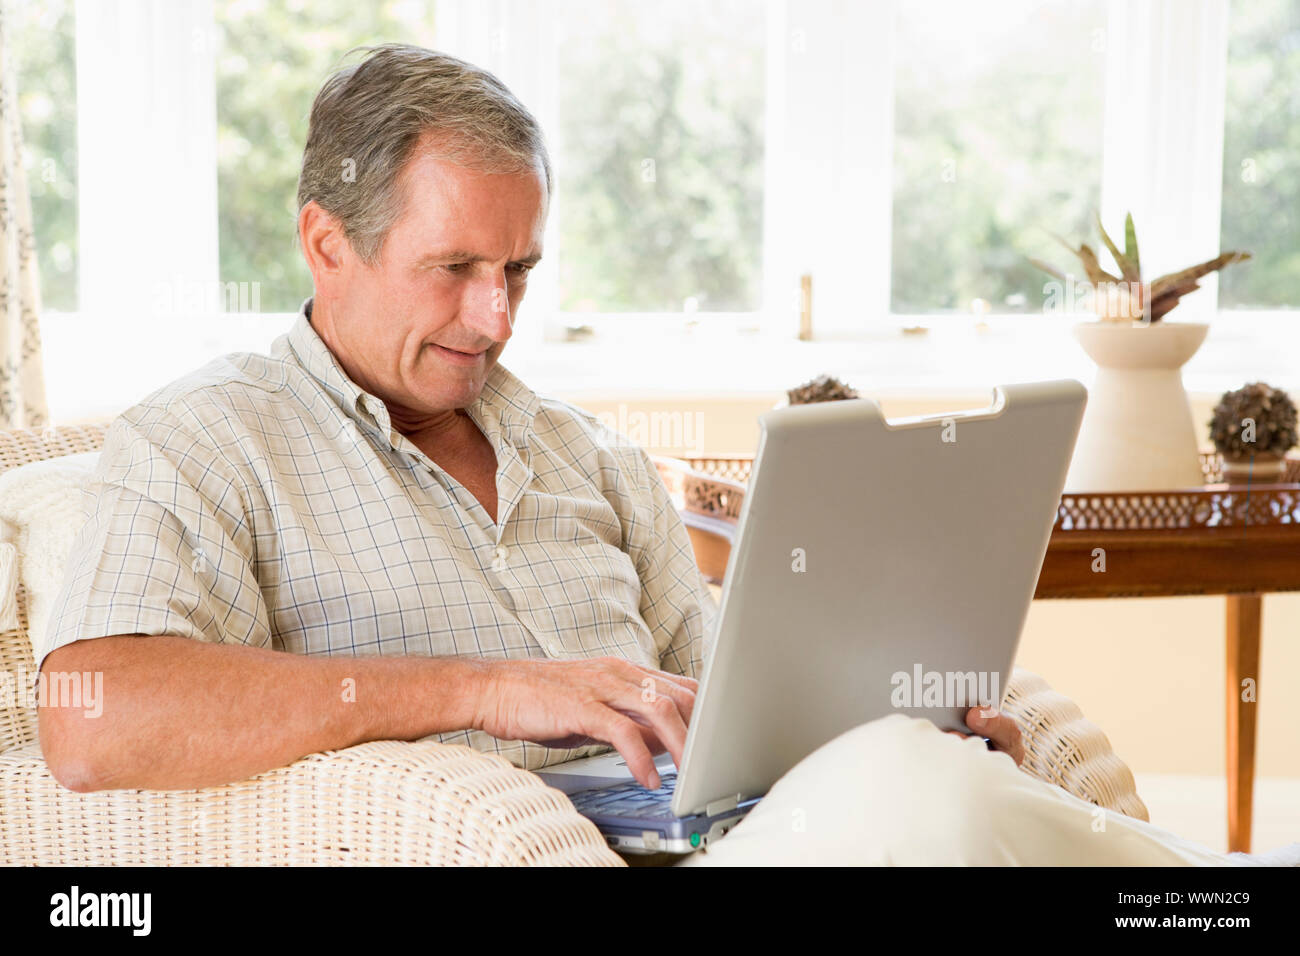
column 900, row 792
column 41, row 511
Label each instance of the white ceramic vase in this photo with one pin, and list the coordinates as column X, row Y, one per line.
column 1137, row 432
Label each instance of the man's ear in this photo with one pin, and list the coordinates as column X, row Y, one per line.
column 323, row 244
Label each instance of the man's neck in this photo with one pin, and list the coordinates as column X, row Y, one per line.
column 432, row 427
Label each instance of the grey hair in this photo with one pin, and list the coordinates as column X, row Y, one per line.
column 367, row 118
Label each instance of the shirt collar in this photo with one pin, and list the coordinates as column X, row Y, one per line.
column 505, row 405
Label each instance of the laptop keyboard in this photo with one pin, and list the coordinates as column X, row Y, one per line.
column 628, row 799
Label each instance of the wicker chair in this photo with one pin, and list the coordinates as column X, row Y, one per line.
column 384, row 802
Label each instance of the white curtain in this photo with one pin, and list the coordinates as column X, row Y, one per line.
column 22, row 381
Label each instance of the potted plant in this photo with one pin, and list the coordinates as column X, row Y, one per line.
column 1137, row 432
column 823, row 388
column 1253, row 428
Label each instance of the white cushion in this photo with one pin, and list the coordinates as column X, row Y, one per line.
column 41, row 511
column 8, row 587
column 900, row 792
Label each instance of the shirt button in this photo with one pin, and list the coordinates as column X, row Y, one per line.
column 499, row 558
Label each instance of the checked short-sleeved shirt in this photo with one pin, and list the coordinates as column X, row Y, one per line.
column 267, row 501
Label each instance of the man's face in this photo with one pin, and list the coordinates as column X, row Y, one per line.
column 422, row 326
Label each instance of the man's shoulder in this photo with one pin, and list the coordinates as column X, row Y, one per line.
column 239, row 371
column 221, row 396
column 220, row 384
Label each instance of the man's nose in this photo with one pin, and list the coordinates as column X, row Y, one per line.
column 487, row 308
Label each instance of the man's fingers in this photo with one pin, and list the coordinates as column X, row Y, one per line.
column 660, row 713
column 624, row 735
column 686, row 683
column 680, row 679
column 999, row 728
column 639, row 711
column 656, row 686
column 681, row 689
column 653, row 698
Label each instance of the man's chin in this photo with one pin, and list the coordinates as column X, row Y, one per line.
column 453, row 397
column 454, row 389
column 452, row 383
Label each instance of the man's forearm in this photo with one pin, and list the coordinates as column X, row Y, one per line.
column 179, row 714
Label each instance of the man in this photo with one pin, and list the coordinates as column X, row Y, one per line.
column 378, row 532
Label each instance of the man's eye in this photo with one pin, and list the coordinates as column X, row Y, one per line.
column 521, row 269
column 456, row 267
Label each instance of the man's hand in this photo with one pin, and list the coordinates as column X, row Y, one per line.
column 1001, row 730
column 640, row 711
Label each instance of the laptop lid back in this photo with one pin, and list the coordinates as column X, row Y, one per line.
column 879, row 567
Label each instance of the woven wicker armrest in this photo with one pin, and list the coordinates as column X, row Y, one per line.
column 1066, row 749
column 386, row 802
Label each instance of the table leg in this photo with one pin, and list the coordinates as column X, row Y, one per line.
column 1243, row 619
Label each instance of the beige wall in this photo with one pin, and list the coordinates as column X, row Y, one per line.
column 1150, row 672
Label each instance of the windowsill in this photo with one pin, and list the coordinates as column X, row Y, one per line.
column 955, row 355
column 97, row 366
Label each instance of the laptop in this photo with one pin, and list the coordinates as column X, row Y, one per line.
column 879, row 566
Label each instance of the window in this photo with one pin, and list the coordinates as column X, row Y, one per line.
column 271, row 59
column 660, row 155
column 997, row 144
column 1261, row 155
column 910, row 155
column 658, row 148
column 43, row 43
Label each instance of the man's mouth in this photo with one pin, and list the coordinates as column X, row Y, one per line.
column 458, row 357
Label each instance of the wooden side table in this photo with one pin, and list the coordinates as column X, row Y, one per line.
column 1238, row 541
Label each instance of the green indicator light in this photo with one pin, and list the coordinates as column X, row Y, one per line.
column 695, row 839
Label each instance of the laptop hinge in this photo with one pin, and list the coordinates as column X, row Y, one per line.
column 722, row 805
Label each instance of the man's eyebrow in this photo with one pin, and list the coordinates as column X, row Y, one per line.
column 459, row 255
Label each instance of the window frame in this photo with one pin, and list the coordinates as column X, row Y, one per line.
column 829, row 116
